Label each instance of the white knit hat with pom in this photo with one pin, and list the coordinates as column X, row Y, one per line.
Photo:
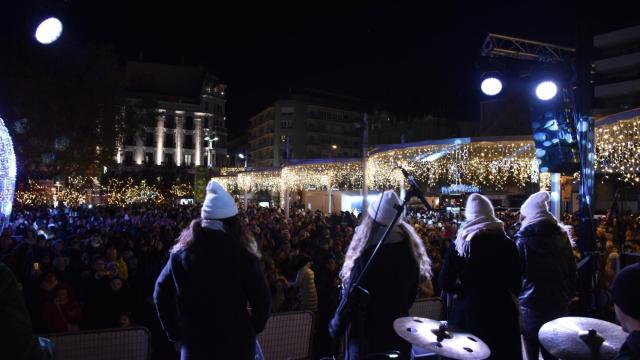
column 218, row 204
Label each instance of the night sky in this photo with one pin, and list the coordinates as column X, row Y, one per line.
column 417, row 58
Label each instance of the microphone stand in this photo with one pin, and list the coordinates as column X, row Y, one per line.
column 358, row 296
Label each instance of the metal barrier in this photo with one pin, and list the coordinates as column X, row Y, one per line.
column 132, row 343
column 431, row 308
column 287, row 336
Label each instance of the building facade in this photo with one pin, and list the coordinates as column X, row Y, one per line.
column 307, row 124
column 617, row 71
column 190, row 126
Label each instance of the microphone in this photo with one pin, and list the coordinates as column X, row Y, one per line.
column 415, row 189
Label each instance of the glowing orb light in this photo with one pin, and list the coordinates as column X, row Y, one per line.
column 49, row 31
column 546, row 90
column 7, row 175
column 491, row 86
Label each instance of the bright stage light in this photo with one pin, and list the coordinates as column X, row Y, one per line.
column 546, row 90
column 49, row 31
column 491, row 86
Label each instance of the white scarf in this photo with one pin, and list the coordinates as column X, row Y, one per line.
column 471, row 229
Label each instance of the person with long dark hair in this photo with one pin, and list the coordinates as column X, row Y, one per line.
column 391, row 281
column 213, row 273
column 482, row 273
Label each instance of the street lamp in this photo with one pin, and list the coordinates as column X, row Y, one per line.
column 334, row 147
column 213, row 141
column 244, row 157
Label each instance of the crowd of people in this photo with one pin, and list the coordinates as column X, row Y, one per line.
column 95, row 268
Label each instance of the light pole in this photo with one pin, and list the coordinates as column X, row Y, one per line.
column 334, row 147
column 213, row 141
column 244, row 157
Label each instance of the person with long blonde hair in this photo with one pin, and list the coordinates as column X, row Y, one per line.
column 391, row 281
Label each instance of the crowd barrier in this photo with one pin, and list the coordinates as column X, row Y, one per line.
column 109, row 344
column 287, row 336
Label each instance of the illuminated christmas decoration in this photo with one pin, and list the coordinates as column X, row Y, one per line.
column 7, row 174
column 487, row 163
column 459, row 189
column 229, row 182
column 181, row 190
column 263, row 180
column 342, row 174
column 618, row 148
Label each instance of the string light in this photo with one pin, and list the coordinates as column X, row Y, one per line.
column 7, row 174
column 618, row 150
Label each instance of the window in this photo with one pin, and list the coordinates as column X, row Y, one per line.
column 188, row 123
column 148, row 157
column 170, row 122
column 169, row 140
column 285, row 123
column 128, row 157
column 206, row 106
column 129, row 140
column 149, row 139
column 168, row 159
column 188, row 141
column 289, row 110
column 187, row 159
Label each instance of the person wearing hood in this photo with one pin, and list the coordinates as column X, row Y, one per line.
column 391, row 282
column 548, row 267
column 626, row 299
column 213, row 272
column 482, row 273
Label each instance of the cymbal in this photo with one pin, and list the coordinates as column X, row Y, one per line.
column 435, row 336
column 582, row 338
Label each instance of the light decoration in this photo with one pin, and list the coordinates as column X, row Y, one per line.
column 459, row 189
column 7, row 175
column 35, row 194
column 262, row 180
column 229, row 182
column 224, row 171
column 121, row 193
column 181, row 190
column 75, row 190
column 618, row 149
column 487, row 164
column 545, row 181
column 320, row 174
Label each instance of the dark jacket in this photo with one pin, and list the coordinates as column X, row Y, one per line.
column 16, row 336
column 202, row 293
column 392, row 283
column 485, row 286
column 548, row 268
column 631, row 348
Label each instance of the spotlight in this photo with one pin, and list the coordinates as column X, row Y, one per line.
column 546, row 90
column 491, row 86
column 48, row 31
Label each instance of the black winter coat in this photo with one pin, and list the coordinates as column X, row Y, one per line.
column 548, row 268
column 485, row 286
column 631, row 348
column 202, row 294
column 392, row 283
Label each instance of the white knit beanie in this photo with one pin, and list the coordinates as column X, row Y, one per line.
column 218, row 204
column 536, row 209
column 382, row 210
column 478, row 206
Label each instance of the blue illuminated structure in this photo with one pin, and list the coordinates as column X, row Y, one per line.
column 7, row 175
